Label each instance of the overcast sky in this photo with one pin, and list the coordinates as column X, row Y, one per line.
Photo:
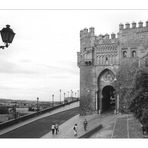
column 43, row 56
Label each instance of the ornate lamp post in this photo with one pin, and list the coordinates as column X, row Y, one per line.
column 7, row 35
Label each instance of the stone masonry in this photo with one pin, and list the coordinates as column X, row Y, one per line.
column 100, row 57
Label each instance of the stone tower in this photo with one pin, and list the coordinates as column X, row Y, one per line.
column 99, row 60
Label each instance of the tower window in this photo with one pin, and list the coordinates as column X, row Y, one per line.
column 106, row 61
column 133, row 53
column 124, row 54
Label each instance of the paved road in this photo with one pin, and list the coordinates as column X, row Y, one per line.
column 64, row 108
column 40, row 127
column 66, row 129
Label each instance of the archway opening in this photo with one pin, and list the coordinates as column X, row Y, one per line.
column 108, row 98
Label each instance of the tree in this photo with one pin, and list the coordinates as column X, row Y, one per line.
column 132, row 86
column 139, row 105
column 125, row 79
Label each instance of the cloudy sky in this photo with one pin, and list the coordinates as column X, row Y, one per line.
column 43, row 56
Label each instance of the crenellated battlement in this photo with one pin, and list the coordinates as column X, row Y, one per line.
column 106, row 36
column 129, row 35
column 88, row 35
column 133, row 26
column 134, row 34
column 85, row 32
column 88, row 39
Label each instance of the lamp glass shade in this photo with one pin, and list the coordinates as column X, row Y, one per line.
column 7, row 34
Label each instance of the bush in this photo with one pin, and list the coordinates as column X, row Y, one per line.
column 144, row 117
column 4, row 110
column 126, row 77
column 139, row 105
column 31, row 109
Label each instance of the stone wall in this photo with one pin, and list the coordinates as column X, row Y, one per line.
column 98, row 53
column 87, row 89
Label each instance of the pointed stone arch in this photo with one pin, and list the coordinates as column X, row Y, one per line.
column 104, row 82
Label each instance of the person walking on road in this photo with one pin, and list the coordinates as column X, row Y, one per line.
column 75, row 130
column 53, row 128
column 85, row 123
column 56, row 128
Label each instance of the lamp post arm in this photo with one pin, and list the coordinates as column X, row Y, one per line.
column 2, row 47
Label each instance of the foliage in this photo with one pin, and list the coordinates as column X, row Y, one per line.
column 126, row 77
column 31, row 109
column 144, row 117
column 4, row 110
column 139, row 105
column 132, row 86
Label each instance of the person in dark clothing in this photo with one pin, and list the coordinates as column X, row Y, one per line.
column 85, row 123
column 75, row 128
column 53, row 128
column 56, row 128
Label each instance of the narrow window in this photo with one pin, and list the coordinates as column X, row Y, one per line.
column 106, row 61
column 124, row 54
column 133, row 53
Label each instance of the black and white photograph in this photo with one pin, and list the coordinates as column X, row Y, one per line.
column 73, row 73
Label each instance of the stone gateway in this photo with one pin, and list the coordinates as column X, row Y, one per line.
column 99, row 60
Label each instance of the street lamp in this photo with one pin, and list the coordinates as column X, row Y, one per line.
column 71, row 93
column 64, row 96
column 7, row 35
column 37, row 103
column 52, row 100
column 14, row 109
column 60, row 96
column 78, row 93
column 75, row 94
column 68, row 94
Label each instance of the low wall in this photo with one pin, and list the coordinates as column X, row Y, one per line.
column 23, row 118
column 91, row 132
column 4, row 117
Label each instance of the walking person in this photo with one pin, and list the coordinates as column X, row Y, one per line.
column 75, row 130
column 53, row 128
column 85, row 123
column 56, row 128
